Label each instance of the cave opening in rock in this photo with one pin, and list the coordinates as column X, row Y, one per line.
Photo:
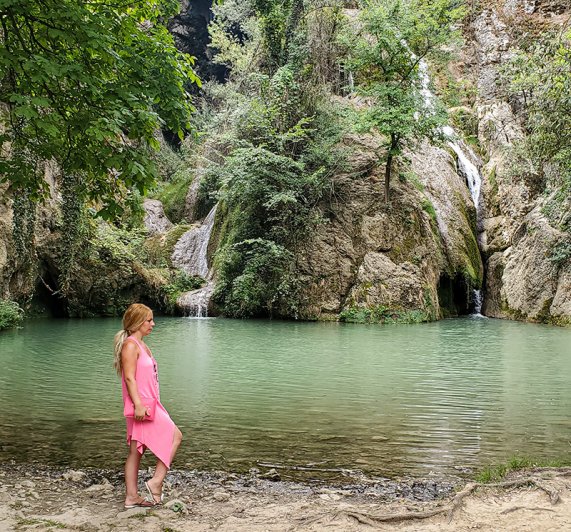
column 453, row 296
column 47, row 300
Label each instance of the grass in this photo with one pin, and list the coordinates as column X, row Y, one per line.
column 497, row 473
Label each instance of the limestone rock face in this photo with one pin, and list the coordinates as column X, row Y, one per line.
column 155, row 219
column 522, row 281
column 103, row 282
column 403, row 256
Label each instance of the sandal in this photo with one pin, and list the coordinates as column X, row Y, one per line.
column 155, row 495
column 143, row 504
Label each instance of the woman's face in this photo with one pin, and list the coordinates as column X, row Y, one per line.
column 147, row 325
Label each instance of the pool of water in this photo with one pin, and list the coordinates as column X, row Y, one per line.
column 393, row 399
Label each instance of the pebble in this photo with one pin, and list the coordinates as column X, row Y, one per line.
column 330, row 496
column 104, row 486
column 272, row 474
column 221, row 496
column 28, row 484
column 74, row 476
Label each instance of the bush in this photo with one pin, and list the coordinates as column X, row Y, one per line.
column 173, row 194
column 11, row 315
column 382, row 314
column 255, row 279
column 180, row 283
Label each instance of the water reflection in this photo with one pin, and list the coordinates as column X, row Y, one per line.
column 388, row 400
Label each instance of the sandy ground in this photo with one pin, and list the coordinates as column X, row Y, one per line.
column 41, row 498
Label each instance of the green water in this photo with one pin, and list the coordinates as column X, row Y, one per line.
column 384, row 399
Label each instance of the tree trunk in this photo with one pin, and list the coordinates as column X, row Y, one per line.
column 388, row 169
column 393, row 149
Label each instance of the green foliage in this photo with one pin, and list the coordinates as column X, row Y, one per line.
column 270, row 146
column 272, row 195
column 270, row 199
column 234, row 34
column 278, row 22
column 429, row 208
column 87, row 84
column 382, row 314
column 254, row 279
column 385, row 52
column 11, row 315
column 23, row 222
column 179, row 283
column 538, row 80
column 75, row 227
column 172, row 194
column 561, row 253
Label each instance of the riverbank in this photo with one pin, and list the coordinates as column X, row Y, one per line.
column 42, row 498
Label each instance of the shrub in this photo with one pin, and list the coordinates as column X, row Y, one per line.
column 173, row 194
column 11, row 315
column 254, row 279
column 382, row 314
column 181, row 282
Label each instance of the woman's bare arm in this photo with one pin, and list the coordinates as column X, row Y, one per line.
column 129, row 356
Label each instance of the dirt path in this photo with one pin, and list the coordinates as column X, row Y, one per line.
column 39, row 498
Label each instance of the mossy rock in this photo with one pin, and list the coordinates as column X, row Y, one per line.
column 159, row 248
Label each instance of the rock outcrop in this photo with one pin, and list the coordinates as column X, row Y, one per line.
column 414, row 258
column 523, row 280
column 155, row 219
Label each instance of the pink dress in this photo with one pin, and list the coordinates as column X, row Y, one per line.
column 158, row 434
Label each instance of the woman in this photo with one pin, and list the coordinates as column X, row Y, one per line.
column 138, row 369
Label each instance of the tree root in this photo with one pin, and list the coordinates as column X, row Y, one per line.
column 376, row 520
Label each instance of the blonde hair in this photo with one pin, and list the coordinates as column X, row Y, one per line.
column 133, row 318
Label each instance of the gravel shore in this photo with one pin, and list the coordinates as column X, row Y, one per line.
column 44, row 498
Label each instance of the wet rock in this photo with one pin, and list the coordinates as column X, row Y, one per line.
column 272, row 474
column 155, row 218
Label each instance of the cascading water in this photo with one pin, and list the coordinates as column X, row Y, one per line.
column 190, row 255
column 467, row 163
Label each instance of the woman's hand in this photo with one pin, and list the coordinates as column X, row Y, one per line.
column 140, row 412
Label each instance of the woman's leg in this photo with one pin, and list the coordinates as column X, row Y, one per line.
column 132, row 474
column 156, row 483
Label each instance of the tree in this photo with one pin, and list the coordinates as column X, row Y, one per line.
column 279, row 20
column 538, row 84
column 87, row 85
column 387, row 47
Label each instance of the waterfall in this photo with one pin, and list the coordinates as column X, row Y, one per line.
column 467, row 163
column 190, row 255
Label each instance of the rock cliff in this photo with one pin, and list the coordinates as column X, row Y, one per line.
column 413, row 259
column 522, row 280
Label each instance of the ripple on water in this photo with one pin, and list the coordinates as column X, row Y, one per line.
column 386, row 399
